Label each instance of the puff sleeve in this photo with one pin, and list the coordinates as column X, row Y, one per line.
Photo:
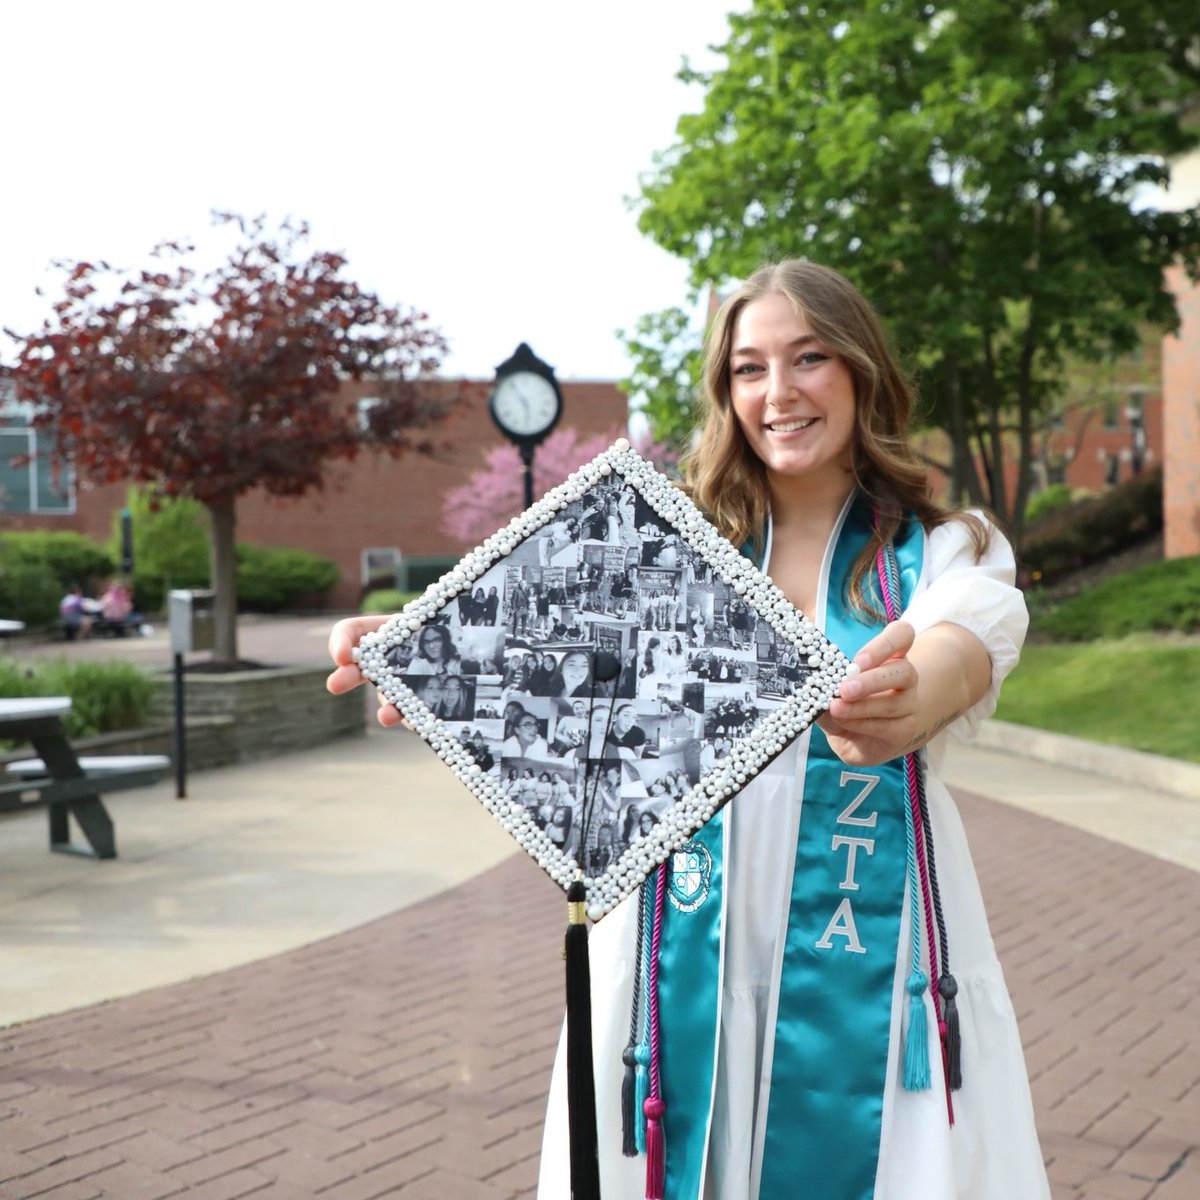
column 980, row 596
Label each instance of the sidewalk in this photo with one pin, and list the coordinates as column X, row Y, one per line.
column 308, row 995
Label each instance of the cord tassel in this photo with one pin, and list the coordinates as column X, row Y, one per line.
column 656, row 1149
column 948, row 989
column 916, row 1041
column 581, row 1084
column 629, row 1147
column 641, row 1095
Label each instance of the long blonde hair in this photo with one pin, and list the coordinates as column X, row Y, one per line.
column 727, row 479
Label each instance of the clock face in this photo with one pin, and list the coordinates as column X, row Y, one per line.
column 525, row 403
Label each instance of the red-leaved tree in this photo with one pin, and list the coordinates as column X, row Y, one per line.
column 495, row 493
column 209, row 385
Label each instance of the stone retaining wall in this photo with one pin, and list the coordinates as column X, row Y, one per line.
column 236, row 717
column 264, row 712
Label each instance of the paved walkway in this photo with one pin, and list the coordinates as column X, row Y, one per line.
column 372, row 1017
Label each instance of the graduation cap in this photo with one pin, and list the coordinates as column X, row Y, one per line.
column 604, row 673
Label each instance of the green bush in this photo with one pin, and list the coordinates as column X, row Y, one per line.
column 1158, row 596
column 170, row 546
column 71, row 557
column 271, row 578
column 29, row 592
column 386, row 600
column 1056, row 496
column 170, row 550
column 104, row 695
column 1093, row 530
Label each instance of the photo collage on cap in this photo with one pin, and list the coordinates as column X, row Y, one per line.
column 598, row 670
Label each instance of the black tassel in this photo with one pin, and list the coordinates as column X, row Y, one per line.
column 948, row 989
column 629, row 1104
column 581, row 1083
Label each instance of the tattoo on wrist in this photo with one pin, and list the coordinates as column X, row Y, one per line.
column 927, row 735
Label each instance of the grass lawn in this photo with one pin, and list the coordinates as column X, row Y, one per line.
column 1141, row 691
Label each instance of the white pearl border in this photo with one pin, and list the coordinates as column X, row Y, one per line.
column 748, row 755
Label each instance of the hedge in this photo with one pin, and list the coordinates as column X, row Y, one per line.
column 68, row 556
column 1093, row 530
column 104, row 695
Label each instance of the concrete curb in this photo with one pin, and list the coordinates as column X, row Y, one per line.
column 1171, row 775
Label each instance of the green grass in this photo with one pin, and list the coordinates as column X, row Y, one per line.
column 1158, row 596
column 1141, row 692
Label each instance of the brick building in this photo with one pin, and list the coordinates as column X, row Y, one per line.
column 372, row 513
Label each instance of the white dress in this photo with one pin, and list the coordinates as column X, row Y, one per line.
column 991, row 1152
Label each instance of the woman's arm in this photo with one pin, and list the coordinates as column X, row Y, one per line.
column 906, row 690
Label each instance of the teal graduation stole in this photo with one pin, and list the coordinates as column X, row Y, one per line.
column 827, row 1063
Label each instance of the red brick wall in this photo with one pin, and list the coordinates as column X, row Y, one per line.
column 1181, row 400
column 375, row 502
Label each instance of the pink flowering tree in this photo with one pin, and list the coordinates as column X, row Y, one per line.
column 495, row 493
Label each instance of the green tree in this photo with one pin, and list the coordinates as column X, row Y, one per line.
column 665, row 379
column 974, row 169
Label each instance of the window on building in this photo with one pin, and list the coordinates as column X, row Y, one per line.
column 1108, row 414
column 33, row 487
column 381, row 567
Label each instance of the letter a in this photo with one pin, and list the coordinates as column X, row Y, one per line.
column 842, row 925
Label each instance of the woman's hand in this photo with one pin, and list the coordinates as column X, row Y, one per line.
column 875, row 714
column 906, row 690
column 346, row 676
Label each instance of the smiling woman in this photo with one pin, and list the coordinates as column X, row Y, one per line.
column 804, row 993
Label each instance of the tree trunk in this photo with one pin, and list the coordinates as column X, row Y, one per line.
column 997, row 498
column 223, row 572
column 1025, row 422
column 964, row 479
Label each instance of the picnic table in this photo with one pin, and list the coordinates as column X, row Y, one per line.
column 67, row 784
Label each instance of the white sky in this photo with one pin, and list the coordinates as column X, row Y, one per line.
column 471, row 157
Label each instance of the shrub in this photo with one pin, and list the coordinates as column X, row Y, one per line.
column 271, row 578
column 1093, row 530
column 170, row 550
column 1158, row 596
column 1056, row 496
column 29, row 592
column 170, row 546
column 104, row 695
column 386, row 600
column 69, row 556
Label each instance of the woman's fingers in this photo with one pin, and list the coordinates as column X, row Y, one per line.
column 389, row 715
column 343, row 679
column 343, row 638
column 897, row 675
column 893, row 641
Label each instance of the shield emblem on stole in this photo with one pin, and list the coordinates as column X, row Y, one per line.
column 690, row 870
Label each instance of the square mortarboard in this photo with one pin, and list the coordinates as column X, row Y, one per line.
column 604, row 673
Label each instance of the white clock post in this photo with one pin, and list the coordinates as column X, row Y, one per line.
column 525, row 403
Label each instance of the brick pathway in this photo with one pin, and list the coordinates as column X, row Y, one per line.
column 410, row 1057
